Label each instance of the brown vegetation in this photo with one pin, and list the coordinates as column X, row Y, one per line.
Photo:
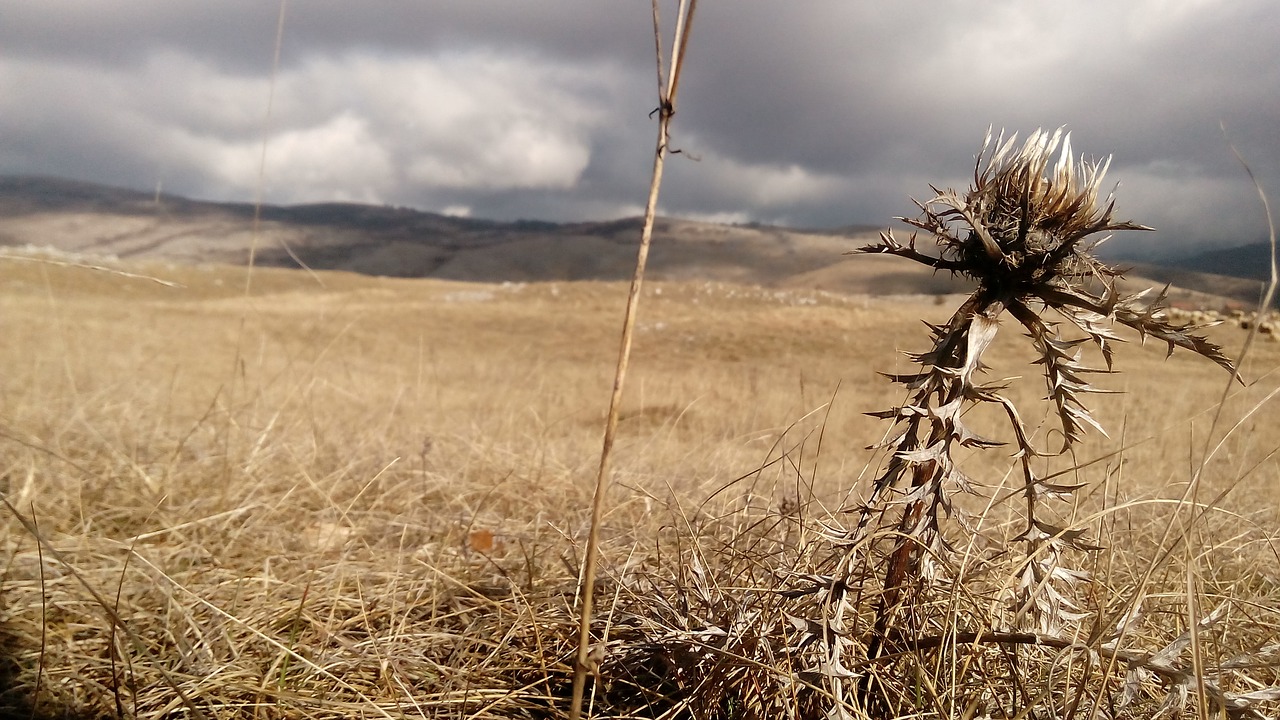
column 347, row 496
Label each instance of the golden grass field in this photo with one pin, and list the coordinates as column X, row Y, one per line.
column 329, row 495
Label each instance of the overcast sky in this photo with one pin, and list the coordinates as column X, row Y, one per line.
column 816, row 113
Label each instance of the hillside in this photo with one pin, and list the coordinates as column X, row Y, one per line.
column 1239, row 290
column 83, row 218
column 1251, row 261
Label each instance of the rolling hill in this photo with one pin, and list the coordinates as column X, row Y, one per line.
column 87, row 219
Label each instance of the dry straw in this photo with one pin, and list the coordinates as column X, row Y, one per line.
column 668, row 85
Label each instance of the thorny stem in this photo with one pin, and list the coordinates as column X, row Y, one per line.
column 957, row 357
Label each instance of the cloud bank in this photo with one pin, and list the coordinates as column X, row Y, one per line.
column 822, row 114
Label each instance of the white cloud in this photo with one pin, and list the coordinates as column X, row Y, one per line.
column 767, row 185
column 822, row 113
column 339, row 159
column 722, row 218
column 357, row 127
column 471, row 121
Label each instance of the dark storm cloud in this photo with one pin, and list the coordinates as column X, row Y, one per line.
column 823, row 113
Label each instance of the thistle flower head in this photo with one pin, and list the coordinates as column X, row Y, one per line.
column 1025, row 232
column 1022, row 222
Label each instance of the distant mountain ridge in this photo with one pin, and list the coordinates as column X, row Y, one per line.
column 1250, row 262
column 1240, row 273
column 86, row 218
column 90, row 219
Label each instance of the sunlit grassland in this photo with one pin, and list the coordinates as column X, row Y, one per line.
column 331, row 495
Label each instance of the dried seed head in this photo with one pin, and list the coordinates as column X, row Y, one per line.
column 1022, row 221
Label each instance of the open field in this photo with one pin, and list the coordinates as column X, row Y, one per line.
column 333, row 495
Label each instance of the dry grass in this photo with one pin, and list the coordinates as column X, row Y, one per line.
column 369, row 499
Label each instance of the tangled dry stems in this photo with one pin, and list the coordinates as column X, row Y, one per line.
column 312, row 588
column 708, row 618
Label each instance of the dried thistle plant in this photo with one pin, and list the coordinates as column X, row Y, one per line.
column 1025, row 232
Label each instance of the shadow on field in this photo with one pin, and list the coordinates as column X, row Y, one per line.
column 16, row 701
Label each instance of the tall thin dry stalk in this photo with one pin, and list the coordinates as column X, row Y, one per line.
column 1191, row 555
column 668, row 85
